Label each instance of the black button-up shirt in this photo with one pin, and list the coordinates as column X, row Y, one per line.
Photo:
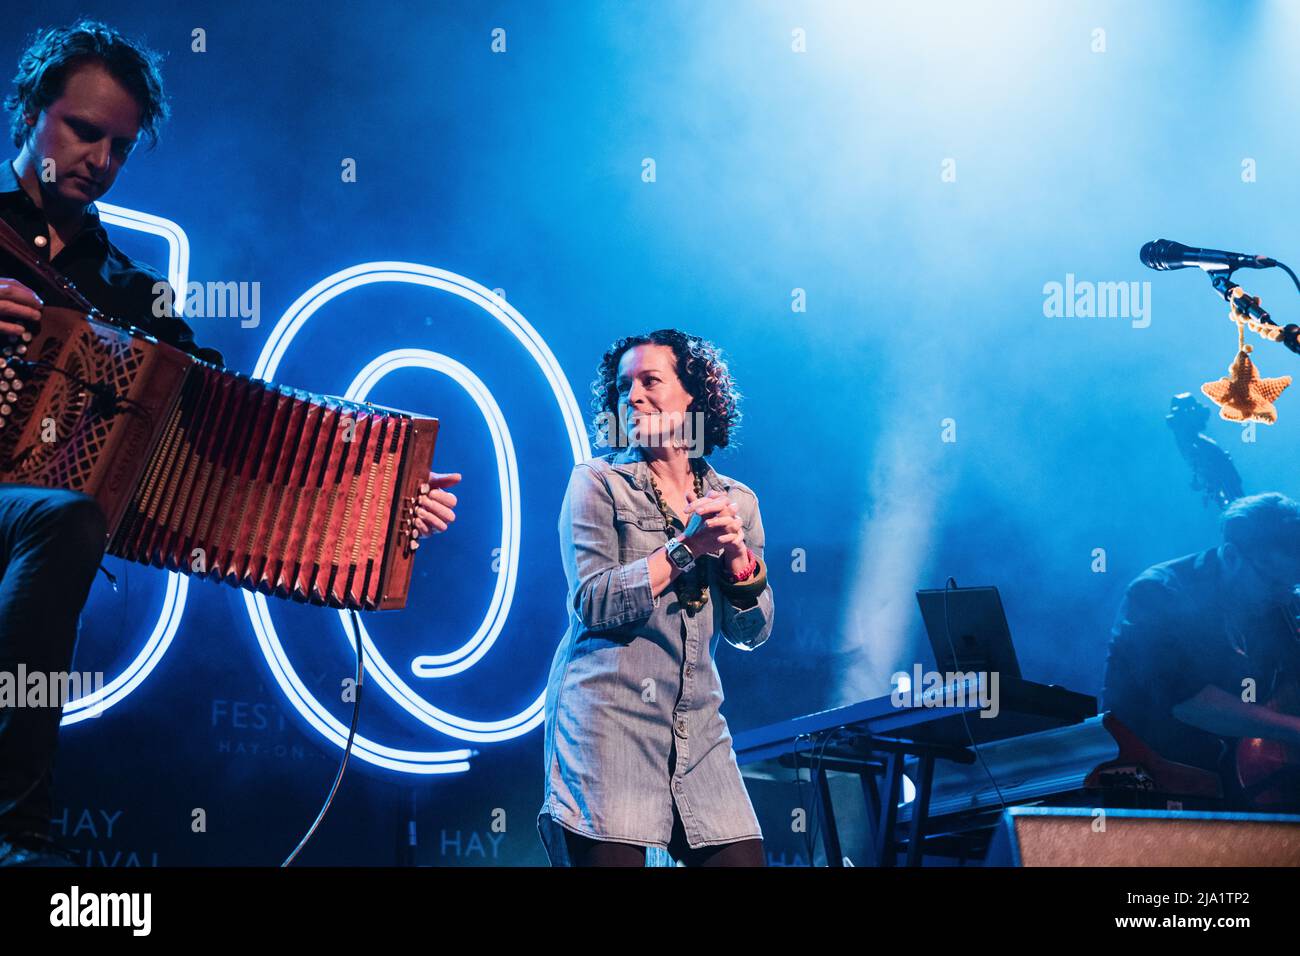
column 116, row 284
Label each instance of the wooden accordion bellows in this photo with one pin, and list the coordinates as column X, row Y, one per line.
column 211, row 473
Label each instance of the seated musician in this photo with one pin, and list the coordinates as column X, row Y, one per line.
column 1202, row 642
column 84, row 98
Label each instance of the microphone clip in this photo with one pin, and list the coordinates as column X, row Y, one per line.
column 1237, row 297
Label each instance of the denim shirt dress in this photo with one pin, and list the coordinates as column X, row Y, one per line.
column 635, row 675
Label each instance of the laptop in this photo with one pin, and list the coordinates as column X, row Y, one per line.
column 968, row 630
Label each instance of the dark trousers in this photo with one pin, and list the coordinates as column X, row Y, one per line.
column 584, row 851
column 51, row 542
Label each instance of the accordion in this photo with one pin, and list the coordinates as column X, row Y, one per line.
column 211, row 473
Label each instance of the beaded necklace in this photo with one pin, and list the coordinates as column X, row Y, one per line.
column 692, row 592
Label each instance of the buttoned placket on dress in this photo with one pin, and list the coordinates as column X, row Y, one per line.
column 681, row 725
column 685, row 700
column 678, row 721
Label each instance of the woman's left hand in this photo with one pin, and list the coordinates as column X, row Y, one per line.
column 435, row 509
column 718, row 511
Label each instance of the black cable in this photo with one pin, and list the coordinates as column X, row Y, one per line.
column 814, row 765
column 809, row 838
column 798, row 796
column 814, row 807
column 837, row 735
column 947, row 630
column 1287, row 269
column 347, row 748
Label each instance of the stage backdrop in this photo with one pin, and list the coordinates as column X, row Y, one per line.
column 913, row 229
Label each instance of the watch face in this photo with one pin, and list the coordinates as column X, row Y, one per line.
column 680, row 554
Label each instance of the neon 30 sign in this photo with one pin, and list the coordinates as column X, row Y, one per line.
column 380, row 671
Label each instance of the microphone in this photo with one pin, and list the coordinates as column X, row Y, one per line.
column 1165, row 254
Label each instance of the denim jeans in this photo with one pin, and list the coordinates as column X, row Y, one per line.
column 51, row 542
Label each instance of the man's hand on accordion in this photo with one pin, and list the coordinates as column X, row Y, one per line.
column 435, row 508
column 18, row 304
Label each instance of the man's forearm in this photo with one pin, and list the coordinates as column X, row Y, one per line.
column 1219, row 712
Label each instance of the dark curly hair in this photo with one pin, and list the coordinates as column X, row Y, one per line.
column 703, row 374
column 54, row 53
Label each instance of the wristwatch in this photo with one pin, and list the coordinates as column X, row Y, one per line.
column 680, row 555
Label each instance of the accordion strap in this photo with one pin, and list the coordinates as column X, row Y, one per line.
column 55, row 281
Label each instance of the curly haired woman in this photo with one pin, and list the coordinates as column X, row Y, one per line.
column 663, row 555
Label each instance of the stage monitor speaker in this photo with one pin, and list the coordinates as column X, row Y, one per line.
column 1081, row 836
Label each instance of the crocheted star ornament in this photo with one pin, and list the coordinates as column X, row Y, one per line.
column 1243, row 396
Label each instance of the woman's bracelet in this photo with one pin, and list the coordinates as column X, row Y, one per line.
column 753, row 585
column 745, row 575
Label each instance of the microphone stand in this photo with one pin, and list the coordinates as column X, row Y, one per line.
column 1221, row 279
